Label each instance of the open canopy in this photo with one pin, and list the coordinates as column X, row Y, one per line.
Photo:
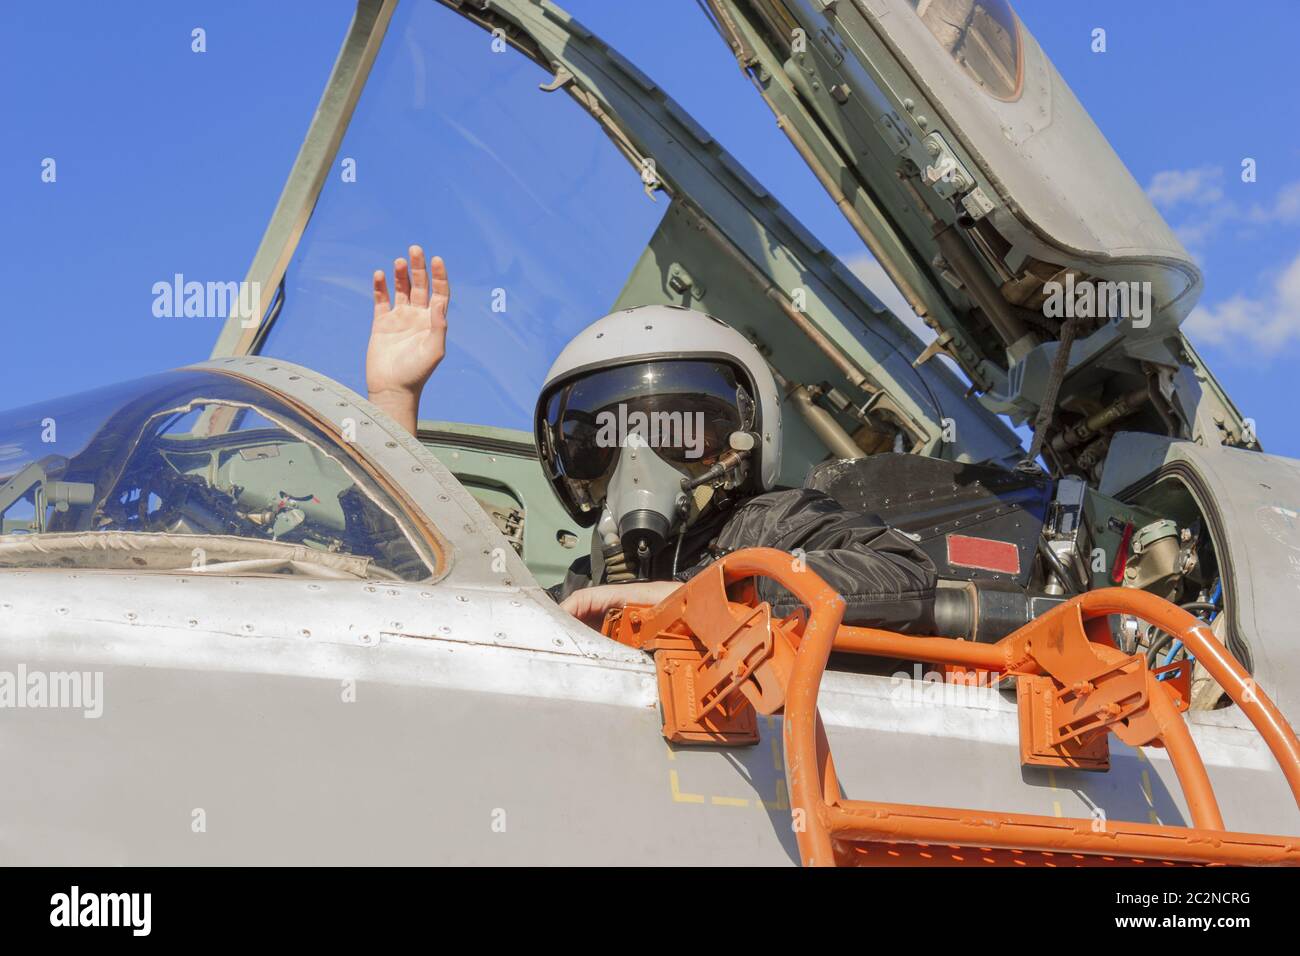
column 939, row 128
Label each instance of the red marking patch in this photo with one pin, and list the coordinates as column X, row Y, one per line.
column 985, row 554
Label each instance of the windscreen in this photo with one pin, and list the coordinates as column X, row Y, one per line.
column 538, row 216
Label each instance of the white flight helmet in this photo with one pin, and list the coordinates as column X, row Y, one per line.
column 672, row 380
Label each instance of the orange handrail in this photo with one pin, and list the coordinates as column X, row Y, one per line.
column 1217, row 661
column 738, row 654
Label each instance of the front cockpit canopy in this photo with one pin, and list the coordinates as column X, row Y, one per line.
column 196, row 471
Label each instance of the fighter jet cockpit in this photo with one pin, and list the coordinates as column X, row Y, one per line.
column 195, row 472
column 559, row 184
column 551, row 208
column 1018, row 479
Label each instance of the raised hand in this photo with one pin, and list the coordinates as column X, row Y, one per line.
column 408, row 337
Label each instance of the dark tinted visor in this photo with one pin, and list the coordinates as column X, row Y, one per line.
column 685, row 410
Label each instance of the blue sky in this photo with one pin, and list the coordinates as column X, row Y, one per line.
column 170, row 161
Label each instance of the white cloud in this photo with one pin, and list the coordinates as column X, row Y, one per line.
column 1201, row 186
column 1254, row 327
column 1285, row 207
column 1204, row 208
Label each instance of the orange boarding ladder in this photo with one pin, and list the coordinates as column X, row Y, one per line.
column 722, row 658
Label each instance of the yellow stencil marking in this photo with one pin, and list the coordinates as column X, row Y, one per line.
column 1146, row 786
column 729, row 801
column 778, row 764
column 678, row 796
column 1146, row 792
column 782, row 801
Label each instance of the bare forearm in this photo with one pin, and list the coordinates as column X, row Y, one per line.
column 402, row 406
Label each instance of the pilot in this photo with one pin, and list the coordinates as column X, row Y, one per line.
column 661, row 428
